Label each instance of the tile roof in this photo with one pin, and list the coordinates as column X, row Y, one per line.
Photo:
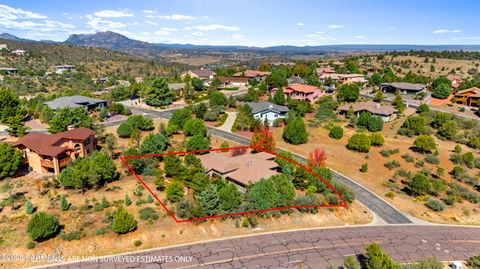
column 234, row 79
column 262, row 106
column 73, row 101
column 251, row 74
column 475, row 90
column 249, row 167
column 44, row 144
column 301, row 88
column 370, row 106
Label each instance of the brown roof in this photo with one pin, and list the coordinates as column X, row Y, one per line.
column 369, row 106
column 251, row 74
column 203, row 73
column 44, row 144
column 296, row 87
column 475, row 90
column 233, row 79
column 242, row 169
column 324, row 70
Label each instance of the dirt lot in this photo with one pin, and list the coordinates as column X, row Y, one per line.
column 348, row 163
column 99, row 240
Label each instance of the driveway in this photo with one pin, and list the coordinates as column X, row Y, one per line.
column 228, row 124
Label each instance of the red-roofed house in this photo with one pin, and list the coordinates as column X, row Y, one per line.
column 302, row 92
column 456, row 80
column 324, row 70
column 46, row 153
column 252, row 74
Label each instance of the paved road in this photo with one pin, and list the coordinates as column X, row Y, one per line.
column 377, row 205
column 228, row 124
column 316, row 248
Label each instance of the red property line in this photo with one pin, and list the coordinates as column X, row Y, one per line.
column 124, row 158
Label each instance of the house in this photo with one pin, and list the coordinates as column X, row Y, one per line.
column 3, row 47
column 385, row 112
column 46, row 153
column 456, row 80
column 200, row 73
column 76, row 101
column 403, row 87
column 59, row 69
column 295, row 79
column 177, row 86
column 324, row 70
column 302, row 92
column 469, row 97
column 19, row 52
column 233, row 81
column 268, row 111
column 8, row 70
column 252, row 74
column 344, row 78
column 242, row 169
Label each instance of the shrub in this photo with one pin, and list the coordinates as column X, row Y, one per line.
column 127, row 200
column 197, row 142
column 474, row 142
column 174, row 191
column 210, row 116
column 432, row 159
column 419, row 184
column 425, row 143
column 42, row 226
column 377, row 139
column 419, row 164
column 148, row 213
column 408, row 158
column 336, row 132
column 76, row 235
column 140, row 122
column 125, row 130
column 375, row 124
column 359, row 142
column 448, row 200
column 435, row 205
column 137, row 243
column 423, row 108
column 123, row 222
column 295, row 132
column 31, row 245
column 474, row 262
column 392, row 164
column 29, row 208
column 194, row 127
column 364, row 168
column 64, row 205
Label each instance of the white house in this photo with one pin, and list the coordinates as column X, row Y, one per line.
column 3, row 46
column 19, row 52
column 268, row 111
column 59, row 69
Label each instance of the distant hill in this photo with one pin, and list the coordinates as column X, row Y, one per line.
column 8, row 36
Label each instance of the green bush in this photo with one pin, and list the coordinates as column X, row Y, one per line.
column 76, row 235
column 408, row 158
column 336, row 132
column 42, row 226
column 137, row 243
column 194, row 127
column 295, row 132
column 197, row 142
column 148, row 213
column 29, row 208
column 432, row 159
column 125, row 130
column 419, row 184
column 31, row 245
column 392, row 164
column 364, row 168
column 359, row 142
column 435, row 205
column 375, row 124
column 377, row 139
column 64, row 205
column 174, row 191
column 123, row 222
column 474, row 262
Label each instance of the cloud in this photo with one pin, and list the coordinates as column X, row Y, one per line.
column 318, row 36
column 205, row 17
column 10, row 13
column 238, row 36
column 359, row 36
column 335, row 26
column 300, row 24
column 198, row 33
column 150, row 22
column 165, row 31
column 99, row 24
column 112, row 14
column 149, row 11
column 466, row 38
column 213, row 27
column 176, row 17
column 446, row 31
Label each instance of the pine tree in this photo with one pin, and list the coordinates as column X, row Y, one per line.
column 398, row 102
column 127, row 200
column 64, row 205
column 105, row 203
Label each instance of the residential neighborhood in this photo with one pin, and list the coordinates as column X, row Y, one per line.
column 246, row 135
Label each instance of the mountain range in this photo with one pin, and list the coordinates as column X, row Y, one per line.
column 114, row 41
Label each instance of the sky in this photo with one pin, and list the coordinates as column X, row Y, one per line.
column 249, row 22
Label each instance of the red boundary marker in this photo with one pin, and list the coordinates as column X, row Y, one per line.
column 123, row 159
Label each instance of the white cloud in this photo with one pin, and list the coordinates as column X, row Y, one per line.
column 319, row 36
column 169, row 29
column 466, row 38
column 165, row 31
column 238, row 36
column 198, row 33
column 7, row 12
column 176, row 17
column 205, row 17
column 359, row 36
column 112, row 14
column 149, row 11
column 213, row 27
column 150, row 22
column 300, row 24
column 446, row 31
column 335, row 26
column 99, row 24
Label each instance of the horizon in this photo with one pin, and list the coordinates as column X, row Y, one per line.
column 253, row 24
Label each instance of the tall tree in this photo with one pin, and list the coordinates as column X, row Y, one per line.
column 158, row 93
column 10, row 160
column 263, row 138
